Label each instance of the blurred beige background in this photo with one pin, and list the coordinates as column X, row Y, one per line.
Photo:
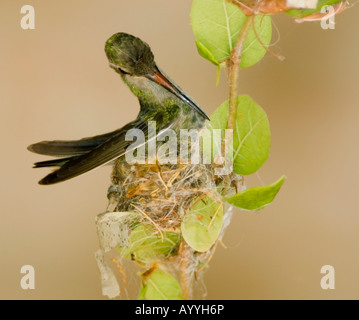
column 55, row 83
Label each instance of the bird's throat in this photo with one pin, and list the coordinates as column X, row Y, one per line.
column 159, row 104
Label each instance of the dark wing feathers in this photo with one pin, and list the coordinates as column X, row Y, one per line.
column 53, row 163
column 114, row 147
column 67, row 148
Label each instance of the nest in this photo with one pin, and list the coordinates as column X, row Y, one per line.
column 158, row 196
column 160, row 193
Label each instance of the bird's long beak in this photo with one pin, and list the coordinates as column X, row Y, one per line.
column 162, row 79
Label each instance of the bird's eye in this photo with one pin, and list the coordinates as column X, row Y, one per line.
column 122, row 71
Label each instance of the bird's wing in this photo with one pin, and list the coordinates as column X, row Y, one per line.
column 115, row 147
column 53, row 163
column 70, row 148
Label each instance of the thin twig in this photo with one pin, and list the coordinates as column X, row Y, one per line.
column 214, row 216
column 184, row 253
column 122, row 272
column 205, row 264
column 233, row 65
column 273, row 54
column 154, row 223
column 233, row 68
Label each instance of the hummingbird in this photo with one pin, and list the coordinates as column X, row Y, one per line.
column 161, row 100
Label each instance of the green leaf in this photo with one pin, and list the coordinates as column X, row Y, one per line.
column 218, row 73
column 205, row 53
column 142, row 294
column 216, row 25
column 160, row 286
column 202, row 224
column 253, row 49
column 145, row 243
column 256, row 198
column 301, row 13
column 251, row 137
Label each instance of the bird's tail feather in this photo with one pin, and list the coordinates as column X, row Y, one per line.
column 53, row 163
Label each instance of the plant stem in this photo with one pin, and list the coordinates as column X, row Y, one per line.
column 233, row 65
column 184, row 253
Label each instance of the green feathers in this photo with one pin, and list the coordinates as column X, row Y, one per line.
column 128, row 54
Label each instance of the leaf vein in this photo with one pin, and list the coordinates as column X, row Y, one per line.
column 228, row 27
column 247, row 135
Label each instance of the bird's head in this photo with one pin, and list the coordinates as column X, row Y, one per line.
column 129, row 55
